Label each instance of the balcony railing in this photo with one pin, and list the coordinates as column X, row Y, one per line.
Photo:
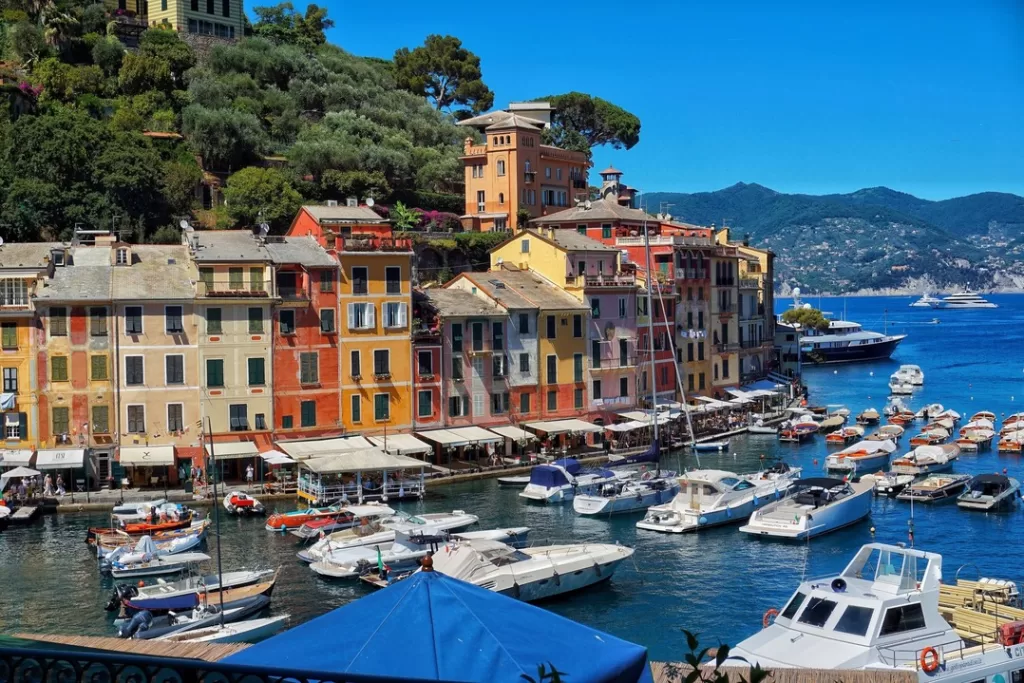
column 663, row 240
column 727, row 348
column 616, row 280
column 291, row 293
column 230, row 288
column 374, row 243
column 750, row 283
column 725, row 309
column 691, row 274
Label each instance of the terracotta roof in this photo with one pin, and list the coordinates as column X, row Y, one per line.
column 343, row 214
column 600, row 210
column 611, row 170
column 498, row 120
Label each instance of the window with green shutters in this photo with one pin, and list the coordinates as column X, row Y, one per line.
column 357, row 408
column 60, row 420
column 98, row 321
column 257, row 377
column 308, row 413
column 552, row 400
column 256, row 280
column 214, row 372
column 100, row 420
column 287, row 421
column 309, row 368
column 579, row 399
column 381, row 407
column 426, row 403
column 9, row 335
column 206, row 277
column 214, row 321
column 58, row 322
column 577, row 368
column 99, row 368
column 255, row 321
column 235, row 278
column 59, row 369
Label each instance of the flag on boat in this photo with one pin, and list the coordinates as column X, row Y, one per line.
column 380, row 561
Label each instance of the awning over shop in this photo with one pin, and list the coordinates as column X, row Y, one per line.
column 714, row 402
column 564, row 426
column 366, row 460
column 60, row 458
column 147, row 456
column 474, row 435
column 401, row 444
column 276, row 458
column 627, row 426
column 444, row 437
column 514, row 433
column 763, row 385
column 315, row 448
column 16, row 457
column 233, row 450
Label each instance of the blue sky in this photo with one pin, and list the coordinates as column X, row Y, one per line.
column 815, row 97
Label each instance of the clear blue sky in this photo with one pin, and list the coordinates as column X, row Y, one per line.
column 820, row 96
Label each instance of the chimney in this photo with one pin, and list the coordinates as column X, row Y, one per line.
column 332, row 202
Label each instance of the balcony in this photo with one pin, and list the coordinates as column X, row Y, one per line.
column 579, row 184
column 291, row 295
column 234, row 288
column 475, row 150
column 374, row 243
column 605, row 364
column 664, row 240
column 727, row 348
column 609, row 280
column 750, row 283
column 529, row 177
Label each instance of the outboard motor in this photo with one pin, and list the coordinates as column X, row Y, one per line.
column 139, row 623
column 119, row 595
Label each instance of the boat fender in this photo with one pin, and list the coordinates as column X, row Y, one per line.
column 929, row 660
column 769, row 617
column 702, row 521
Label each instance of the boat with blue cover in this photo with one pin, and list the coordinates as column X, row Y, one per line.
column 561, row 480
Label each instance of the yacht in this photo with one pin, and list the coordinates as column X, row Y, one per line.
column 989, row 492
column 709, row 498
column 882, row 614
column 926, row 301
column 889, row 483
column 912, row 374
column 845, row 342
column 531, row 573
column 935, row 488
column 813, row 507
column 963, row 300
column 899, row 387
column 561, row 480
column 861, row 457
column 622, row 497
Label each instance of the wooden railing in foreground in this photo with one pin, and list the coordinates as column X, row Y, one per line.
column 670, row 672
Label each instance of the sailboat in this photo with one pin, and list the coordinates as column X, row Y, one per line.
column 636, row 495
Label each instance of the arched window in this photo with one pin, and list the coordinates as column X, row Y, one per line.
column 495, row 139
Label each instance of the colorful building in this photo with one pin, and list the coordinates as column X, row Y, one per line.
column 724, row 325
column 512, row 172
column 427, row 369
column 756, row 308
column 306, row 339
column 218, row 18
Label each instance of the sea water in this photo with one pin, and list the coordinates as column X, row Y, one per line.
column 717, row 583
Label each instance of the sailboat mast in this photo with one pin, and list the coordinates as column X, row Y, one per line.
column 650, row 332
column 208, row 428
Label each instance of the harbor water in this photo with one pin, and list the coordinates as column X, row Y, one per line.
column 717, row 583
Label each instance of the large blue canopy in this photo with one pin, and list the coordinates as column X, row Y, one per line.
column 433, row 627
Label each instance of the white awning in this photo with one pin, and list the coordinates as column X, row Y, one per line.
column 627, row 426
column 444, row 437
column 60, row 458
column 276, row 458
column 474, row 435
column 315, row 448
column 366, row 460
column 514, row 433
column 713, row 401
column 401, row 444
column 147, row 456
column 233, row 450
column 16, row 457
column 635, row 415
column 564, row 426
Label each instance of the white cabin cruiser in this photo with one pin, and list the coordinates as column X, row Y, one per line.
column 899, row 387
column 926, row 301
column 532, row 573
column 383, row 530
column 989, row 492
column 964, row 300
column 880, row 613
column 561, row 480
column 860, row 458
column 621, row 497
column 813, row 507
column 913, row 374
column 709, row 498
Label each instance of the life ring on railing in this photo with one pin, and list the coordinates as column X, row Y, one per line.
column 929, row 660
column 769, row 616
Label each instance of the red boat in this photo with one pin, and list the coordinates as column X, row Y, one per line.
column 282, row 521
column 166, row 525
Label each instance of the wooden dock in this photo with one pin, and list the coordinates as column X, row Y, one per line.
column 24, row 515
column 152, row 648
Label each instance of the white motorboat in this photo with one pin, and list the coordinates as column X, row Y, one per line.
column 935, row 488
column 249, row 631
column 881, row 614
column 895, row 406
column 718, row 445
column 621, row 497
column 156, row 565
column 531, row 573
column 406, row 551
column 710, row 498
column 383, row 530
column 561, row 480
column 813, row 507
column 128, row 553
column 988, row 492
column 759, row 427
column 241, row 503
column 898, row 387
column 142, row 513
column 888, row 483
column 927, row 460
column 515, row 481
column 963, row 300
column 925, row 301
column 132, row 508
column 911, row 374
column 860, row 458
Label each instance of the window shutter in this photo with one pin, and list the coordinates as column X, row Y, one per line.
column 371, row 310
column 23, row 426
column 351, row 316
column 403, row 319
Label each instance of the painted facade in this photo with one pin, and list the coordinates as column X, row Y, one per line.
column 218, row 18
column 427, row 368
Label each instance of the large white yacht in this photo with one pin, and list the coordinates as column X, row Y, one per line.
column 813, row 507
column 926, row 301
column 882, row 612
column 964, row 300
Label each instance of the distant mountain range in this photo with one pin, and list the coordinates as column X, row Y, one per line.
column 871, row 240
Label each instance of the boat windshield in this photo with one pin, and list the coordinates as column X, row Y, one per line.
column 736, row 484
column 817, row 612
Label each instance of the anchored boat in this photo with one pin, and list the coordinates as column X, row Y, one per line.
column 813, row 507
column 935, row 488
column 865, row 456
column 988, row 492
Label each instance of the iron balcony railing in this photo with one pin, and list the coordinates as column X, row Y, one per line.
column 230, row 287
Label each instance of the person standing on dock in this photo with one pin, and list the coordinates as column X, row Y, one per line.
column 249, row 476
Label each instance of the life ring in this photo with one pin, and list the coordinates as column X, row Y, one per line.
column 929, row 660
column 769, row 616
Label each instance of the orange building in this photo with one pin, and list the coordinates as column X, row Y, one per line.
column 511, row 171
column 305, row 336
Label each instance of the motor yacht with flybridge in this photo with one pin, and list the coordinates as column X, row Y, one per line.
column 888, row 610
column 844, row 341
column 963, row 300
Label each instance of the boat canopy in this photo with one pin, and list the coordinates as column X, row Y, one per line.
column 548, row 477
column 448, row 630
column 571, row 465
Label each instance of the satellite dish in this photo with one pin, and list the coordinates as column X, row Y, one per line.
column 369, row 201
column 796, row 291
column 183, row 224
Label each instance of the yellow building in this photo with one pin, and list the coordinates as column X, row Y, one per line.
column 756, row 307
column 234, row 295
column 375, row 298
column 22, row 267
column 219, row 18
column 157, row 369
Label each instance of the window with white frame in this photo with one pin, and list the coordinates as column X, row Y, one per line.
column 500, row 166
column 12, row 426
column 361, row 316
column 396, row 315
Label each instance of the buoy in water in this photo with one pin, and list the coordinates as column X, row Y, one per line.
column 872, row 531
column 871, row 374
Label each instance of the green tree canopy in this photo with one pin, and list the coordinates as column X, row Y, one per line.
column 267, row 191
column 282, row 24
column 445, row 73
column 809, row 318
column 582, row 121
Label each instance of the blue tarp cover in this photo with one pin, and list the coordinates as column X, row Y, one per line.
column 433, row 627
column 547, row 476
column 571, row 465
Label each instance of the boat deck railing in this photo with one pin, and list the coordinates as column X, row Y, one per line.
column 958, row 649
column 327, row 494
